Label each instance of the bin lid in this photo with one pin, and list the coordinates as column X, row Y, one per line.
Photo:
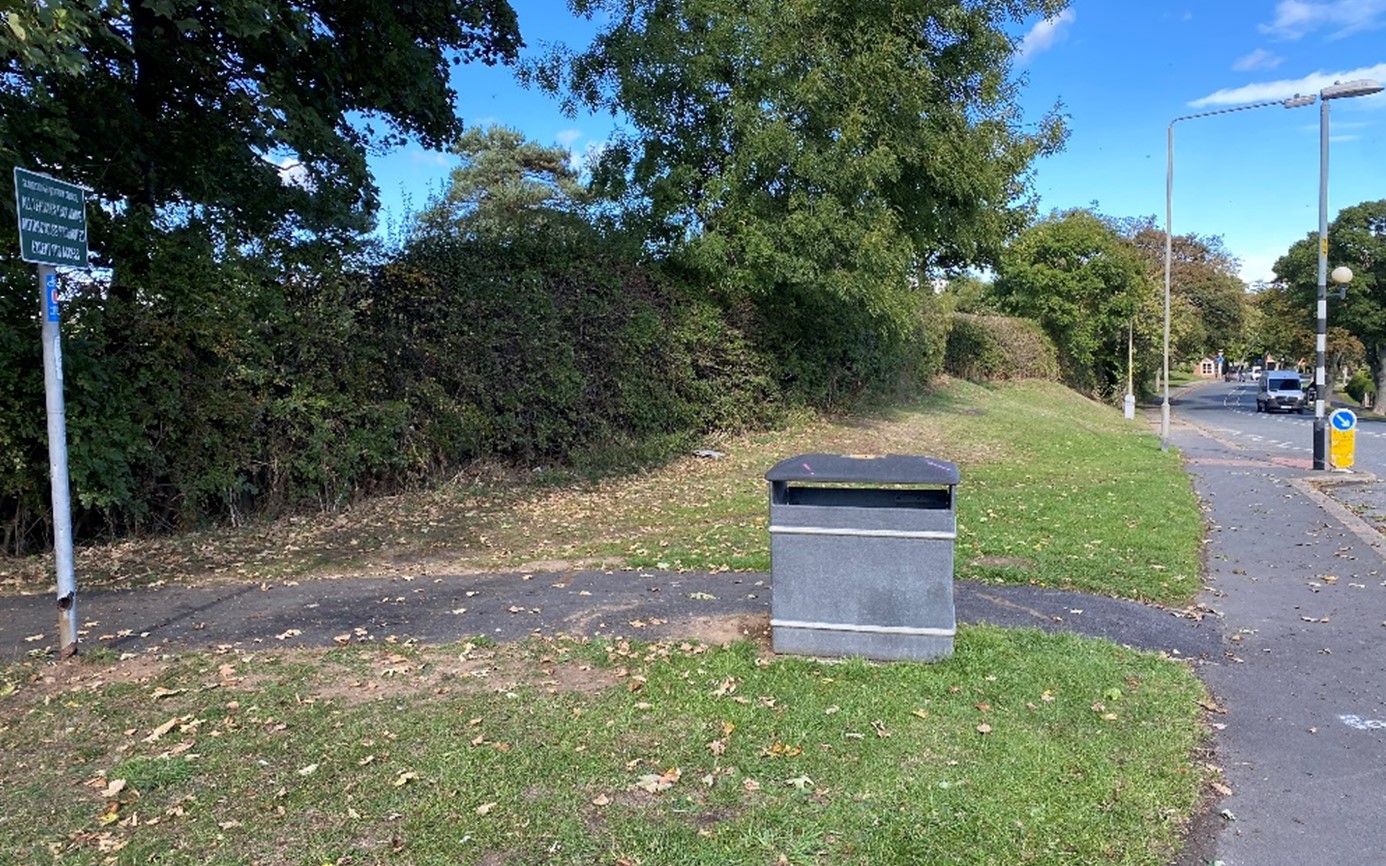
column 888, row 469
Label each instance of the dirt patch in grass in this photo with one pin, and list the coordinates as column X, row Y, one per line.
column 722, row 630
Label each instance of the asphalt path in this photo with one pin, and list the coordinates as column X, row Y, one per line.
column 504, row 607
column 1300, row 585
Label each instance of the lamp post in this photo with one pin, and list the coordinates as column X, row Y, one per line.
column 1295, row 101
column 1343, row 90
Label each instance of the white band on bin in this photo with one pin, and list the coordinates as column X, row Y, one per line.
column 871, row 629
column 937, row 535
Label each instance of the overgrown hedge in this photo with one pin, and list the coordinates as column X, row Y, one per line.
column 989, row 348
column 254, row 382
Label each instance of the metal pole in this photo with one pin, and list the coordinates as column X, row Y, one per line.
column 57, row 461
column 1169, row 246
column 1320, row 429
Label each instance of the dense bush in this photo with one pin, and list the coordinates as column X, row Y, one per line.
column 1360, row 385
column 254, row 384
column 985, row 348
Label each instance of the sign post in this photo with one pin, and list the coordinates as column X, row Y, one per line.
column 53, row 232
column 1342, row 433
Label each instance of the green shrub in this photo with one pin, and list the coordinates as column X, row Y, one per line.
column 989, row 348
column 1360, row 385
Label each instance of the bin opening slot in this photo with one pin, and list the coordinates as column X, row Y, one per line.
column 865, row 497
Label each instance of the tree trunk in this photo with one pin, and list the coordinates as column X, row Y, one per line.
column 1379, row 369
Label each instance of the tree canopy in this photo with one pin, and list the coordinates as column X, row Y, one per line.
column 772, row 129
column 1356, row 238
column 1084, row 283
column 254, row 115
column 507, row 185
column 1208, row 300
column 812, row 155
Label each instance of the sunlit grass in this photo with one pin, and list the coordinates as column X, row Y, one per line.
column 1021, row 748
column 1056, row 491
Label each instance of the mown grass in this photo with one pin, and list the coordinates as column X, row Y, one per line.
column 1057, row 491
column 1021, row 748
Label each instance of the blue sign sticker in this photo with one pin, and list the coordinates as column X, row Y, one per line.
column 1343, row 419
column 50, row 293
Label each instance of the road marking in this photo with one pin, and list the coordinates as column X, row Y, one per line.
column 1362, row 724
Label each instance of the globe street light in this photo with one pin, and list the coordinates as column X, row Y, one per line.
column 1337, row 90
column 1295, row 101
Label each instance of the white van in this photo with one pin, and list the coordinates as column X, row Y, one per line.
column 1280, row 389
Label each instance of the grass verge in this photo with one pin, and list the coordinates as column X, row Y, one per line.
column 1022, row 748
column 1057, row 491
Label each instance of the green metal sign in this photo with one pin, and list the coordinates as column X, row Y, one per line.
column 52, row 220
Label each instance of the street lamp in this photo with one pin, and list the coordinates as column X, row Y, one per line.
column 1295, row 101
column 1337, row 90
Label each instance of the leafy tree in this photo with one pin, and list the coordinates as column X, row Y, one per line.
column 506, row 186
column 1084, row 284
column 1204, row 275
column 811, row 154
column 189, row 111
column 46, row 34
column 1356, row 238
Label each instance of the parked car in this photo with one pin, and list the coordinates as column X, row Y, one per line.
column 1282, row 390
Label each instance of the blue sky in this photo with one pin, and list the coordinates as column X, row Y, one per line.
column 1122, row 71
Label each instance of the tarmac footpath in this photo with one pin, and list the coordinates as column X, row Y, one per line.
column 1300, row 587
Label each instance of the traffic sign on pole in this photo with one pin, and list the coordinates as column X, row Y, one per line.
column 1342, row 434
column 52, row 220
column 53, row 233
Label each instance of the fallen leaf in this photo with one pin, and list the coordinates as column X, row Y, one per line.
column 984, row 728
column 308, row 770
column 879, row 727
column 114, row 788
column 656, row 782
column 405, row 778
column 165, row 728
column 601, row 800
column 800, row 782
column 750, row 785
column 485, row 808
column 922, row 714
column 162, row 692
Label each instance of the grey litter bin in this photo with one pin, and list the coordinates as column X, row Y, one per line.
column 867, row 569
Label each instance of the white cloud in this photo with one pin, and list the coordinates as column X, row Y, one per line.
column 431, row 158
column 568, row 137
column 1287, row 87
column 1258, row 59
column 1046, row 34
column 1296, row 18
